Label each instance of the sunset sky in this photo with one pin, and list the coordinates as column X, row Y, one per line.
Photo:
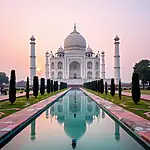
column 50, row 21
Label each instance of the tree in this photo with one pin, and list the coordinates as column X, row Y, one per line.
column 48, row 86
column 35, row 86
column 3, row 78
column 61, row 86
column 120, row 89
column 112, row 87
column 42, row 86
column 136, row 94
column 101, row 86
column 55, row 86
column 143, row 69
column 96, row 85
column 52, row 86
column 12, row 87
column 27, row 88
column 106, row 90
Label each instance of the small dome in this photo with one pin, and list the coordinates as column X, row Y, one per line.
column 103, row 52
column 32, row 38
column 117, row 38
column 47, row 54
column 89, row 50
column 74, row 39
column 60, row 50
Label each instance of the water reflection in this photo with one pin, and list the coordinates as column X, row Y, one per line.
column 33, row 128
column 117, row 132
column 47, row 113
column 73, row 115
column 75, row 111
column 103, row 114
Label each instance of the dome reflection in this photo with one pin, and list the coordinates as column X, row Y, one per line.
column 75, row 110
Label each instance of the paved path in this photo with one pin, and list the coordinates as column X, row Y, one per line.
column 6, row 97
column 12, row 122
column 136, row 123
column 143, row 96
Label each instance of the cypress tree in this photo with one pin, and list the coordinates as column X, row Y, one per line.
column 56, row 85
column 119, row 89
column 42, row 86
column 35, row 86
column 112, row 87
column 48, row 86
column 60, row 86
column 12, row 87
column 101, row 86
column 106, row 90
column 52, row 86
column 27, row 88
column 136, row 94
column 95, row 83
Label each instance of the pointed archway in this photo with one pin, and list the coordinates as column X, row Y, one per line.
column 74, row 70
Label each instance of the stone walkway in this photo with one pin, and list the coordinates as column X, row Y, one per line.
column 136, row 123
column 10, row 123
column 6, row 97
column 143, row 96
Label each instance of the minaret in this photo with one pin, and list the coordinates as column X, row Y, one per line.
column 116, row 61
column 32, row 60
column 103, row 65
column 47, row 66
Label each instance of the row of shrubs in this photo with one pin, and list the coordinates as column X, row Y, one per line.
column 98, row 86
column 51, row 86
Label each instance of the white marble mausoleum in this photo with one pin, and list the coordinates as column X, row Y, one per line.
column 75, row 62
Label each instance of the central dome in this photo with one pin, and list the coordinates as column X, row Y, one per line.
column 74, row 40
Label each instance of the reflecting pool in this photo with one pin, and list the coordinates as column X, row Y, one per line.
column 76, row 115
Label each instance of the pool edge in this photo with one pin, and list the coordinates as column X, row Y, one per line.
column 4, row 139
column 129, row 130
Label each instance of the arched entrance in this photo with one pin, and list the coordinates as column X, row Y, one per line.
column 74, row 70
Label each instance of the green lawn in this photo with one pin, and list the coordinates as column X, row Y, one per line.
column 142, row 91
column 127, row 103
column 6, row 108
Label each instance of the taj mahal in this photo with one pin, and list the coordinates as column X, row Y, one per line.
column 75, row 63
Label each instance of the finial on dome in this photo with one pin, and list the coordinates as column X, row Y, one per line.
column 75, row 27
column 117, row 38
column 32, row 38
column 102, row 52
column 46, row 52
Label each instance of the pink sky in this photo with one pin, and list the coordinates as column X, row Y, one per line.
column 50, row 21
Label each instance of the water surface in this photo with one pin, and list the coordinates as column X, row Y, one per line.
column 77, row 115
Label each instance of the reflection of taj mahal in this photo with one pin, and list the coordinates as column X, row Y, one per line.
column 74, row 111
